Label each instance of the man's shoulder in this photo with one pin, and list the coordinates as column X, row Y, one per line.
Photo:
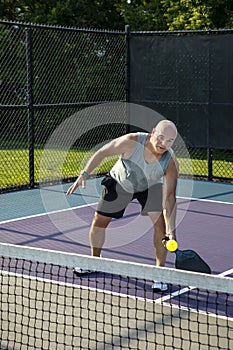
column 134, row 136
column 173, row 164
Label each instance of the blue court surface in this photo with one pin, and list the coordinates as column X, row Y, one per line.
column 47, row 218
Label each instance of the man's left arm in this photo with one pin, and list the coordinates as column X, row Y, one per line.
column 170, row 184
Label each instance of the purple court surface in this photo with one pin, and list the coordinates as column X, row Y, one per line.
column 205, row 227
column 48, row 219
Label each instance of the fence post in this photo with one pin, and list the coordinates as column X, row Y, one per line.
column 30, row 107
column 209, row 149
column 127, row 77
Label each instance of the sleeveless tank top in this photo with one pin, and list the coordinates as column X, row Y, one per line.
column 134, row 174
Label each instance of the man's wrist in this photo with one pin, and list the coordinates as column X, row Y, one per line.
column 168, row 236
column 84, row 173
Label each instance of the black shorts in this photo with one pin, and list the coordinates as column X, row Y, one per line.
column 114, row 199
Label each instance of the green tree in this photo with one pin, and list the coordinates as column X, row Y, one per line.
column 142, row 15
column 101, row 14
column 114, row 14
column 221, row 13
column 198, row 14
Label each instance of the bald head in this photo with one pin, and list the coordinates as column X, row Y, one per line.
column 164, row 135
column 168, row 127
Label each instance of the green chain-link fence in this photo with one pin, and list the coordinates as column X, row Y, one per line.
column 49, row 74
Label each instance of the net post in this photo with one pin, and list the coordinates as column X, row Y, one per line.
column 30, row 106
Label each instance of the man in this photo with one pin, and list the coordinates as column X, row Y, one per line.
column 147, row 170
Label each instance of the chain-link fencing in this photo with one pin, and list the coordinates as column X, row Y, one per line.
column 49, row 75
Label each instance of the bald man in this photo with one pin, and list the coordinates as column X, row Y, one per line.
column 147, row 170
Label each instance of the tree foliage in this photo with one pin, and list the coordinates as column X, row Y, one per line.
column 198, row 14
column 114, row 14
column 82, row 13
column 143, row 15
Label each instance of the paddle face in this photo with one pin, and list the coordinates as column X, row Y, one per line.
column 191, row 261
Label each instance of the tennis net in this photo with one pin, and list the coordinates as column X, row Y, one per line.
column 45, row 306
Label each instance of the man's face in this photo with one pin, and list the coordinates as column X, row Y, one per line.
column 164, row 138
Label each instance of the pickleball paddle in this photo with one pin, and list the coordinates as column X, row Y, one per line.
column 187, row 259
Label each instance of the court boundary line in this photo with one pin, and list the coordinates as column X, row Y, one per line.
column 47, row 213
column 95, row 203
column 203, row 200
column 184, row 290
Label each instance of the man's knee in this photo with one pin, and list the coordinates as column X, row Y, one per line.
column 156, row 217
column 159, row 224
column 100, row 220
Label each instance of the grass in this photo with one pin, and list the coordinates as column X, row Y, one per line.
column 57, row 164
column 48, row 165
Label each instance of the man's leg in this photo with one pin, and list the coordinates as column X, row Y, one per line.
column 97, row 233
column 112, row 204
column 151, row 202
column 160, row 250
column 97, row 238
column 159, row 233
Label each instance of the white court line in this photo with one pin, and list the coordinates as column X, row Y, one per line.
column 204, row 200
column 90, row 204
column 47, row 213
column 184, row 290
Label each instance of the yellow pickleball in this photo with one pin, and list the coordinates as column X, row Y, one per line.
column 172, row 245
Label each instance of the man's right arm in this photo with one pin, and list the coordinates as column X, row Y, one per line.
column 120, row 146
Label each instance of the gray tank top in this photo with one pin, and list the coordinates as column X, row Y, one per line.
column 134, row 174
